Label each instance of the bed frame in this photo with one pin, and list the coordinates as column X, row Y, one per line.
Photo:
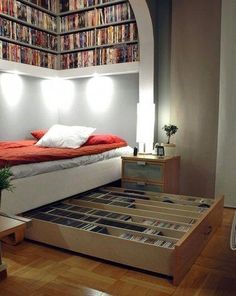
column 35, row 191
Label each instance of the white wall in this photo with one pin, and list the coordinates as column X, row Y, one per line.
column 226, row 156
column 23, row 107
column 120, row 116
column 28, row 103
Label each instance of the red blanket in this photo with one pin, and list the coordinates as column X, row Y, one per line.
column 23, row 152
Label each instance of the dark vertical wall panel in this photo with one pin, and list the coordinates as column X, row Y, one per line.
column 160, row 11
column 195, row 66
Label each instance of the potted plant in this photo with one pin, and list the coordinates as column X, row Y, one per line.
column 169, row 147
column 5, row 180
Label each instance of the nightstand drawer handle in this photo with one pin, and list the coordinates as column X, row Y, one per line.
column 141, row 183
column 141, row 163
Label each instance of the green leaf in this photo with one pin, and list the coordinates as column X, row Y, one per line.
column 5, row 179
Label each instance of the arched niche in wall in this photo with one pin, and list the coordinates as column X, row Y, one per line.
column 146, row 116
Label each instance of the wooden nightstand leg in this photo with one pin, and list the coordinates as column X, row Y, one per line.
column 14, row 238
column 3, row 268
column 3, row 272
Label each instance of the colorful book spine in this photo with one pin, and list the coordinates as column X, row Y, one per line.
column 21, row 54
column 25, row 34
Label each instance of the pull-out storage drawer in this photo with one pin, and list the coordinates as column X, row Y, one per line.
column 147, row 230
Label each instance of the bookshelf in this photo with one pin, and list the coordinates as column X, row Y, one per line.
column 69, row 34
column 97, row 33
column 28, row 33
column 152, row 231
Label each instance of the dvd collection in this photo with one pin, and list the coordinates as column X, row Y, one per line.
column 130, row 202
column 78, row 40
column 78, row 21
column 28, row 14
column 84, row 218
column 118, row 43
column 21, row 54
column 97, row 17
column 157, row 242
column 69, row 5
column 104, row 36
column 101, row 56
column 117, row 34
column 50, row 5
column 31, row 36
column 164, row 224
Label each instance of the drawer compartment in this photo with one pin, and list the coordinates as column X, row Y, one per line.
column 109, row 247
column 143, row 170
column 140, row 185
column 107, row 224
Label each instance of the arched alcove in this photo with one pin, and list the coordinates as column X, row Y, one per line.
column 146, row 116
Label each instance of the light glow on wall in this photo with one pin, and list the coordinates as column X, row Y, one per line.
column 58, row 94
column 49, row 95
column 99, row 93
column 12, row 88
column 65, row 90
column 145, row 126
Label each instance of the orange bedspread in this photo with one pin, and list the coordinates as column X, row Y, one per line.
column 23, row 152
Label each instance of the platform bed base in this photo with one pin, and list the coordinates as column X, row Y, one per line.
column 160, row 233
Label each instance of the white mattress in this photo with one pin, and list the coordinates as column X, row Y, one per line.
column 27, row 170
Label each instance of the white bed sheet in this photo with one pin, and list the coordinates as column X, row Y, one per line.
column 33, row 169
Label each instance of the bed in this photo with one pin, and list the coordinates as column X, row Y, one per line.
column 43, row 175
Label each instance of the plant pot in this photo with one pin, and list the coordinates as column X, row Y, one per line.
column 170, row 149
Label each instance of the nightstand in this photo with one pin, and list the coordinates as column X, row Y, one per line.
column 151, row 173
column 9, row 226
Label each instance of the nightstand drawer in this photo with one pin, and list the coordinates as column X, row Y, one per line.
column 143, row 170
column 142, row 186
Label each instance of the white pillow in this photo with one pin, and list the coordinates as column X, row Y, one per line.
column 63, row 136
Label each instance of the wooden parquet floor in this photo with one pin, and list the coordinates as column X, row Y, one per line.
column 38, row 270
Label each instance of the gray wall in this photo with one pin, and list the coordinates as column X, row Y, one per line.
column 226, row 160
column 121, row 116
column 32, row 110
column 37, row 109
column 195, row 67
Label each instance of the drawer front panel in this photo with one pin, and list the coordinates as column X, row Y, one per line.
column 143, row 186
column 143, row 170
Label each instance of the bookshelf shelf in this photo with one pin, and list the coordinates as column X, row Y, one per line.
column 114, row 69
column 92, row 7
column 14, row 19
column 98, row 46
column 28, row 70
column 40, row 7
column 97, row 27
column 28, row 45
column 132, row 227
column 34, row 71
